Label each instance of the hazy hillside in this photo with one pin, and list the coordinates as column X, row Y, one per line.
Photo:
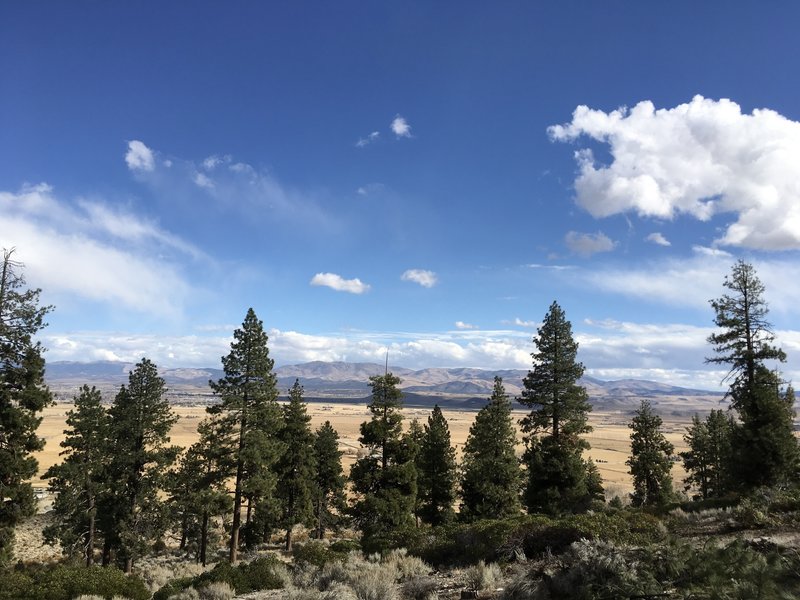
column 456, row 387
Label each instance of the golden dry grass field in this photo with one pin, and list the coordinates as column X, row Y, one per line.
column 609, row 440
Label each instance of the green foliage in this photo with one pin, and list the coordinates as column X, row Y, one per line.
column 709, row 458
column 131, row 513
column 317, row 554
column 329, row 481
column 491, row 479
column 248, row 401
column 263, row 573
column 649, row 462
column 385, row 479
column 81, row 478
column 558, row 478
column 765, row 451
column 66, row 582
column 437, row 471
column 23, row 396
column 297, row 466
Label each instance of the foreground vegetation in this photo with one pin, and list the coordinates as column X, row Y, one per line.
column 538, row 527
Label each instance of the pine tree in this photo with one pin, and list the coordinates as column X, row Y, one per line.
column 411, row 448
column 385, row 479
column 197, row 488
column 491, row 479
column 329, row 498
column 649, row 462
column 436, row 471
column 765, row 451
column 132, row 513
column 557, row 474
column 23, row 396
column 297, row 466
column 708, row 460
column 80, row 480
column 248, row 399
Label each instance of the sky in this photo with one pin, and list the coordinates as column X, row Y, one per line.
column 422, row 177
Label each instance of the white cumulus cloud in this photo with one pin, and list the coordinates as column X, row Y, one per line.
column 658, row 238
column 400, row 127
column 702, row 158
column 139, row 157
column 586, row 244
column 463, row 325
column 339, row 283
column 424, row 278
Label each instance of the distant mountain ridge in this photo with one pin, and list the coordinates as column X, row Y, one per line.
column 342, row 380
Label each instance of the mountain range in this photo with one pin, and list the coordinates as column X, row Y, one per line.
column 343, row 381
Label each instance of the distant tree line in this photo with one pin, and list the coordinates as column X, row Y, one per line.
column 258, row 467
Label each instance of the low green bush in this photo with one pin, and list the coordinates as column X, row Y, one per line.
column 63, row 582
column 315, row 553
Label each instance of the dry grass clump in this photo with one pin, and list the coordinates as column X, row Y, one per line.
column 157, row 571
column 188, row 594
column 420, row 587
column 484, row 577
column 405, row 565
column 217, row 590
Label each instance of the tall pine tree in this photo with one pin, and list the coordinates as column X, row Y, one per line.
column 765, row 451
column 384, row 480
column 23, row 396
column 297, row 466
column 436, row 465
column 248, row 399
column 708, row 460
column 558, row 476
column 329, row 480
column 80, row 479
column 132, row 513
column 649, row 462
column 490, row 484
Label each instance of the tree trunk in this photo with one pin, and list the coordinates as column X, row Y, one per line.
column 128, row 565
column 91, row 534
column 289, row 538
column 204, row 538
column 106, row 552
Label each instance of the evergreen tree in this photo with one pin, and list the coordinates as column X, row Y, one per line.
column 80, row 480
column 329, row 479
column 297, row 466
column 649, row 462
column 436, row 465
column 132, row 513
column 491, row 479
column 708, row 460
column 557, row 474
column 248, row 400
column 198, row 490
column 385, row 479
column 765, row 451
column 412, row 446
column 23, row 396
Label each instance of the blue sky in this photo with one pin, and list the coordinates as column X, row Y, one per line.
column 426, row 177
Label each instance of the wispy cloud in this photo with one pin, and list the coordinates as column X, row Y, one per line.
column 139, row 157
column 339, row 283
column 462, row 325
column 424, row 278
column 400, row 127
column 370, row 139
column 658, row 239
column 586, row 244
column 702, row 159
column 95, row 251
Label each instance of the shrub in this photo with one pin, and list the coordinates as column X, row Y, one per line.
column 62, row 582
column 373, row 584
column 484, row 577
column 420, row 588
column 405, row 565
column 188, row 594
column 345, row 546
column 217, row 590
column 315, row 553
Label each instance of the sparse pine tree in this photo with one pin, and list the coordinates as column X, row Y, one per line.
column 437, row 474
column 198, row 490
column 132, row 513
column 23, row 396
column 490, row 484
column 329, row 498
column 557, row 474
column 649, row 462
column 248, row 399
column 765, row 451
column 297, row 466
column 708, row 460
column 80, row 479
column 384, row 480
column 412, row 446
